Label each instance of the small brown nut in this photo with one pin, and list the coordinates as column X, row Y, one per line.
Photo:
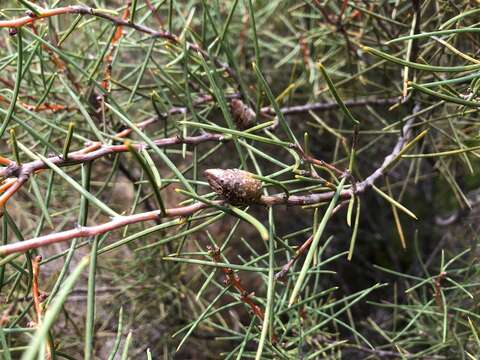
column 238, row 187
column 243, row 115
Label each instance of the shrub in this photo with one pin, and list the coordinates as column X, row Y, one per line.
column 239, row 179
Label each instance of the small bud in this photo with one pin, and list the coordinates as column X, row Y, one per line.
column 236, row 186
column 243, row 115
column 43, row 296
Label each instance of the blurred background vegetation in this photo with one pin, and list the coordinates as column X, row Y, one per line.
column 395, row 271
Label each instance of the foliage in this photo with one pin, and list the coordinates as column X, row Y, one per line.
column 349, row 231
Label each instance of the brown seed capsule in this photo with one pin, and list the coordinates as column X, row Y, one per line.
column 243, row 115
column 236, row 186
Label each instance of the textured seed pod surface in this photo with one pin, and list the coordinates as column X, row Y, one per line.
column 235, row 186
column 243, row 116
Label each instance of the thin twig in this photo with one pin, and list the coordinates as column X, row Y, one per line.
column 90, row 231
column 37, row 299
column 84, row 10
column 303, row 248
column 35, row 290
column 330, row 105
column 234, row 280
column 360, row 186
column 97, row 150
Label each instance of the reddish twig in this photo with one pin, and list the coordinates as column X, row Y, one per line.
column 303, row 248
column 324, row 13
column 107, row 74
column 342, row 11
column 7, row 184
column 311, row 160
column 38, row 299
column 305, row 51
column 5, row 161
column 35, row 290
column 84, row 10
column 96, row 150
column 154, row 12
column 30, row 18
column 90, row 231
column 41, row 107
column 11, row 190
column 6, row 315
column 231, row 278
column 286, row 268
column 437, row 284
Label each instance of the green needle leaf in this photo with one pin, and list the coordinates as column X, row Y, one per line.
column 316, row 239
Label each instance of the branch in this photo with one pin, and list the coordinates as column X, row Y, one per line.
column 281, row 275
column 97, row 150
column 89, row 153
column 360, row 187
column 90, row 231
column 84, row 10
column 329, row 105
column 278, row 199
column 268, row 111
column 233, row 279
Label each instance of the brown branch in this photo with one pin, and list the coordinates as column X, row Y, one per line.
column 382, row 353
column 324, row 13
column 286, row 268
column 297, row 109
column 35, row 290
column 231, row 278
column 84, row 10
column 268, row 111
column 437, row 285
column 90, row 231
column 97, row 150
column 330, row 105
column 89, row 153
column 122, row 221
column 360, row 187
column 154, row 12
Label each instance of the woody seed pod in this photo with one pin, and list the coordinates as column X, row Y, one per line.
column 243, row 115
column 236, row 186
